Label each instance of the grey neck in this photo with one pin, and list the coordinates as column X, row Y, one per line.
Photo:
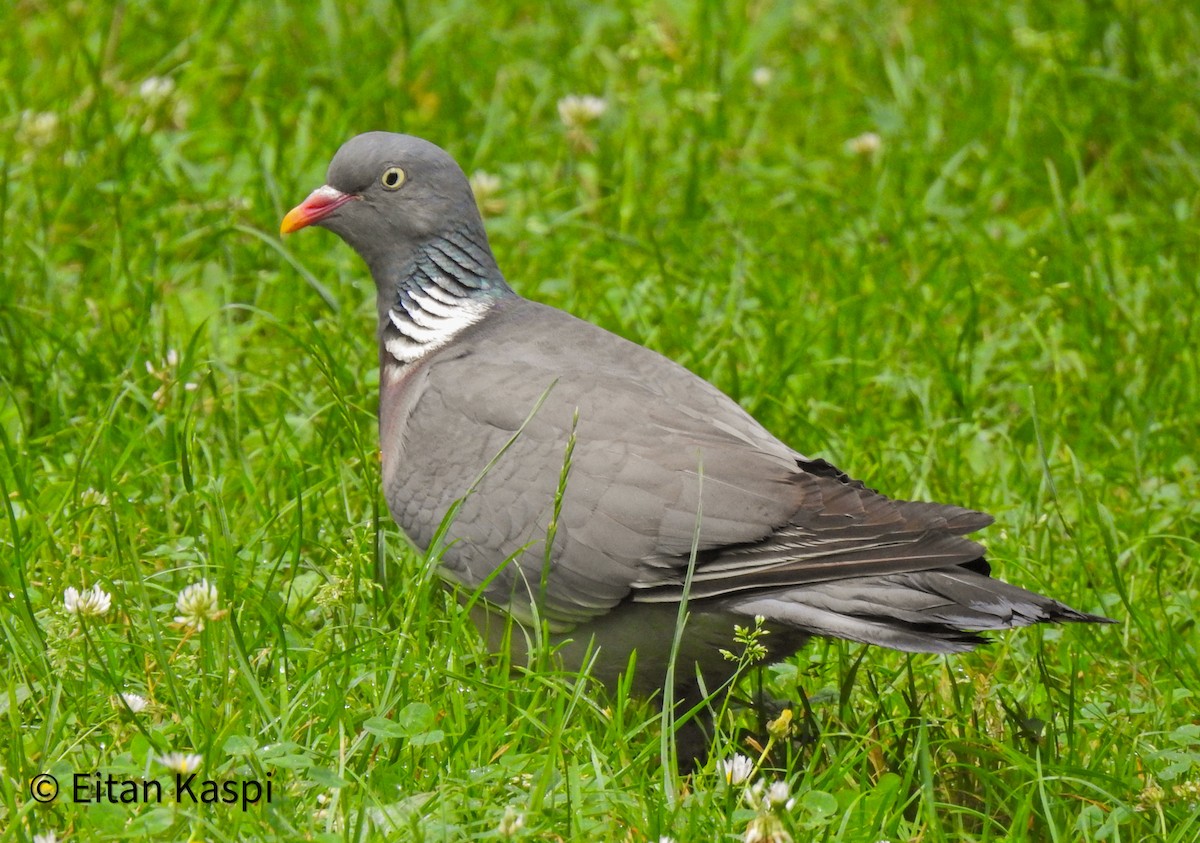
column 447, row 284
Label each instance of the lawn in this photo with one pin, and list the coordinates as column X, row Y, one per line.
column 953, row 248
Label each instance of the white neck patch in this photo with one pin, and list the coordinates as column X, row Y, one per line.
column 430, row 325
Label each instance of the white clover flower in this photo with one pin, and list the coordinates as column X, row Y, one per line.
column 577, row 111
column 766, row 828
column 1151, row 795
column 91, row 497
column 156, row 90
column 181, row 762
column 767, row 798
column 779, row 796
column 762, row 76
column 737, row 769
column 45, row 837
column 37, row 128
column 864, row 145
column 167, row 375
column 486, row 188
column 164, row 108
column 196, row 604
column 1188, row 790
column 91, row 603
column 136, row 702
column 512, row 822
column 484, row 184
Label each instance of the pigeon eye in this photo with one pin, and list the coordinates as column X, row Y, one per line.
column 392, row 178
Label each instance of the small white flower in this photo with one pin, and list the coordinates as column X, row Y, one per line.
column 484, row 184
column 1188, row 789
column 37, row 128
column 737, row 769
column 181, row 762
column 156, row 90
column 167, row 375
column 512, row 822
column 772, row 797
column 779, row 795
column 486, row 188
column 196, row 604
column 576, row 111
column 91, row 603
column 766, row 828
column 91, row 497
column 864, row 145
column 164, row 107
column 136, row 702
column 45, row 837
column 762, row 76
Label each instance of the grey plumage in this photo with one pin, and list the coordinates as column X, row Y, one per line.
column 465, row 361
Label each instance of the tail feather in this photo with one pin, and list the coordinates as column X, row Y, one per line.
column 936, row 611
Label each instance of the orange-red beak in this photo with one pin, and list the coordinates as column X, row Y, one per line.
column 320, row 203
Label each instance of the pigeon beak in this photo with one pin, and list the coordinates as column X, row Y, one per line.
column 320, row 203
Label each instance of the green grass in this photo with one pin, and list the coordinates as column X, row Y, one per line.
column 996, row 308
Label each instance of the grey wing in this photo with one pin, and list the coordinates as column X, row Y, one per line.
column 631, row 493
column 659, row 456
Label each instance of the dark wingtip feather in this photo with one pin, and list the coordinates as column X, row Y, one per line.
column 1065, row 614
column 939, row 611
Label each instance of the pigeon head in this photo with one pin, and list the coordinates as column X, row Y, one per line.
column 386, row 194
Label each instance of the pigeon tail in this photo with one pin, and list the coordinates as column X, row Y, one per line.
column 938, row 611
